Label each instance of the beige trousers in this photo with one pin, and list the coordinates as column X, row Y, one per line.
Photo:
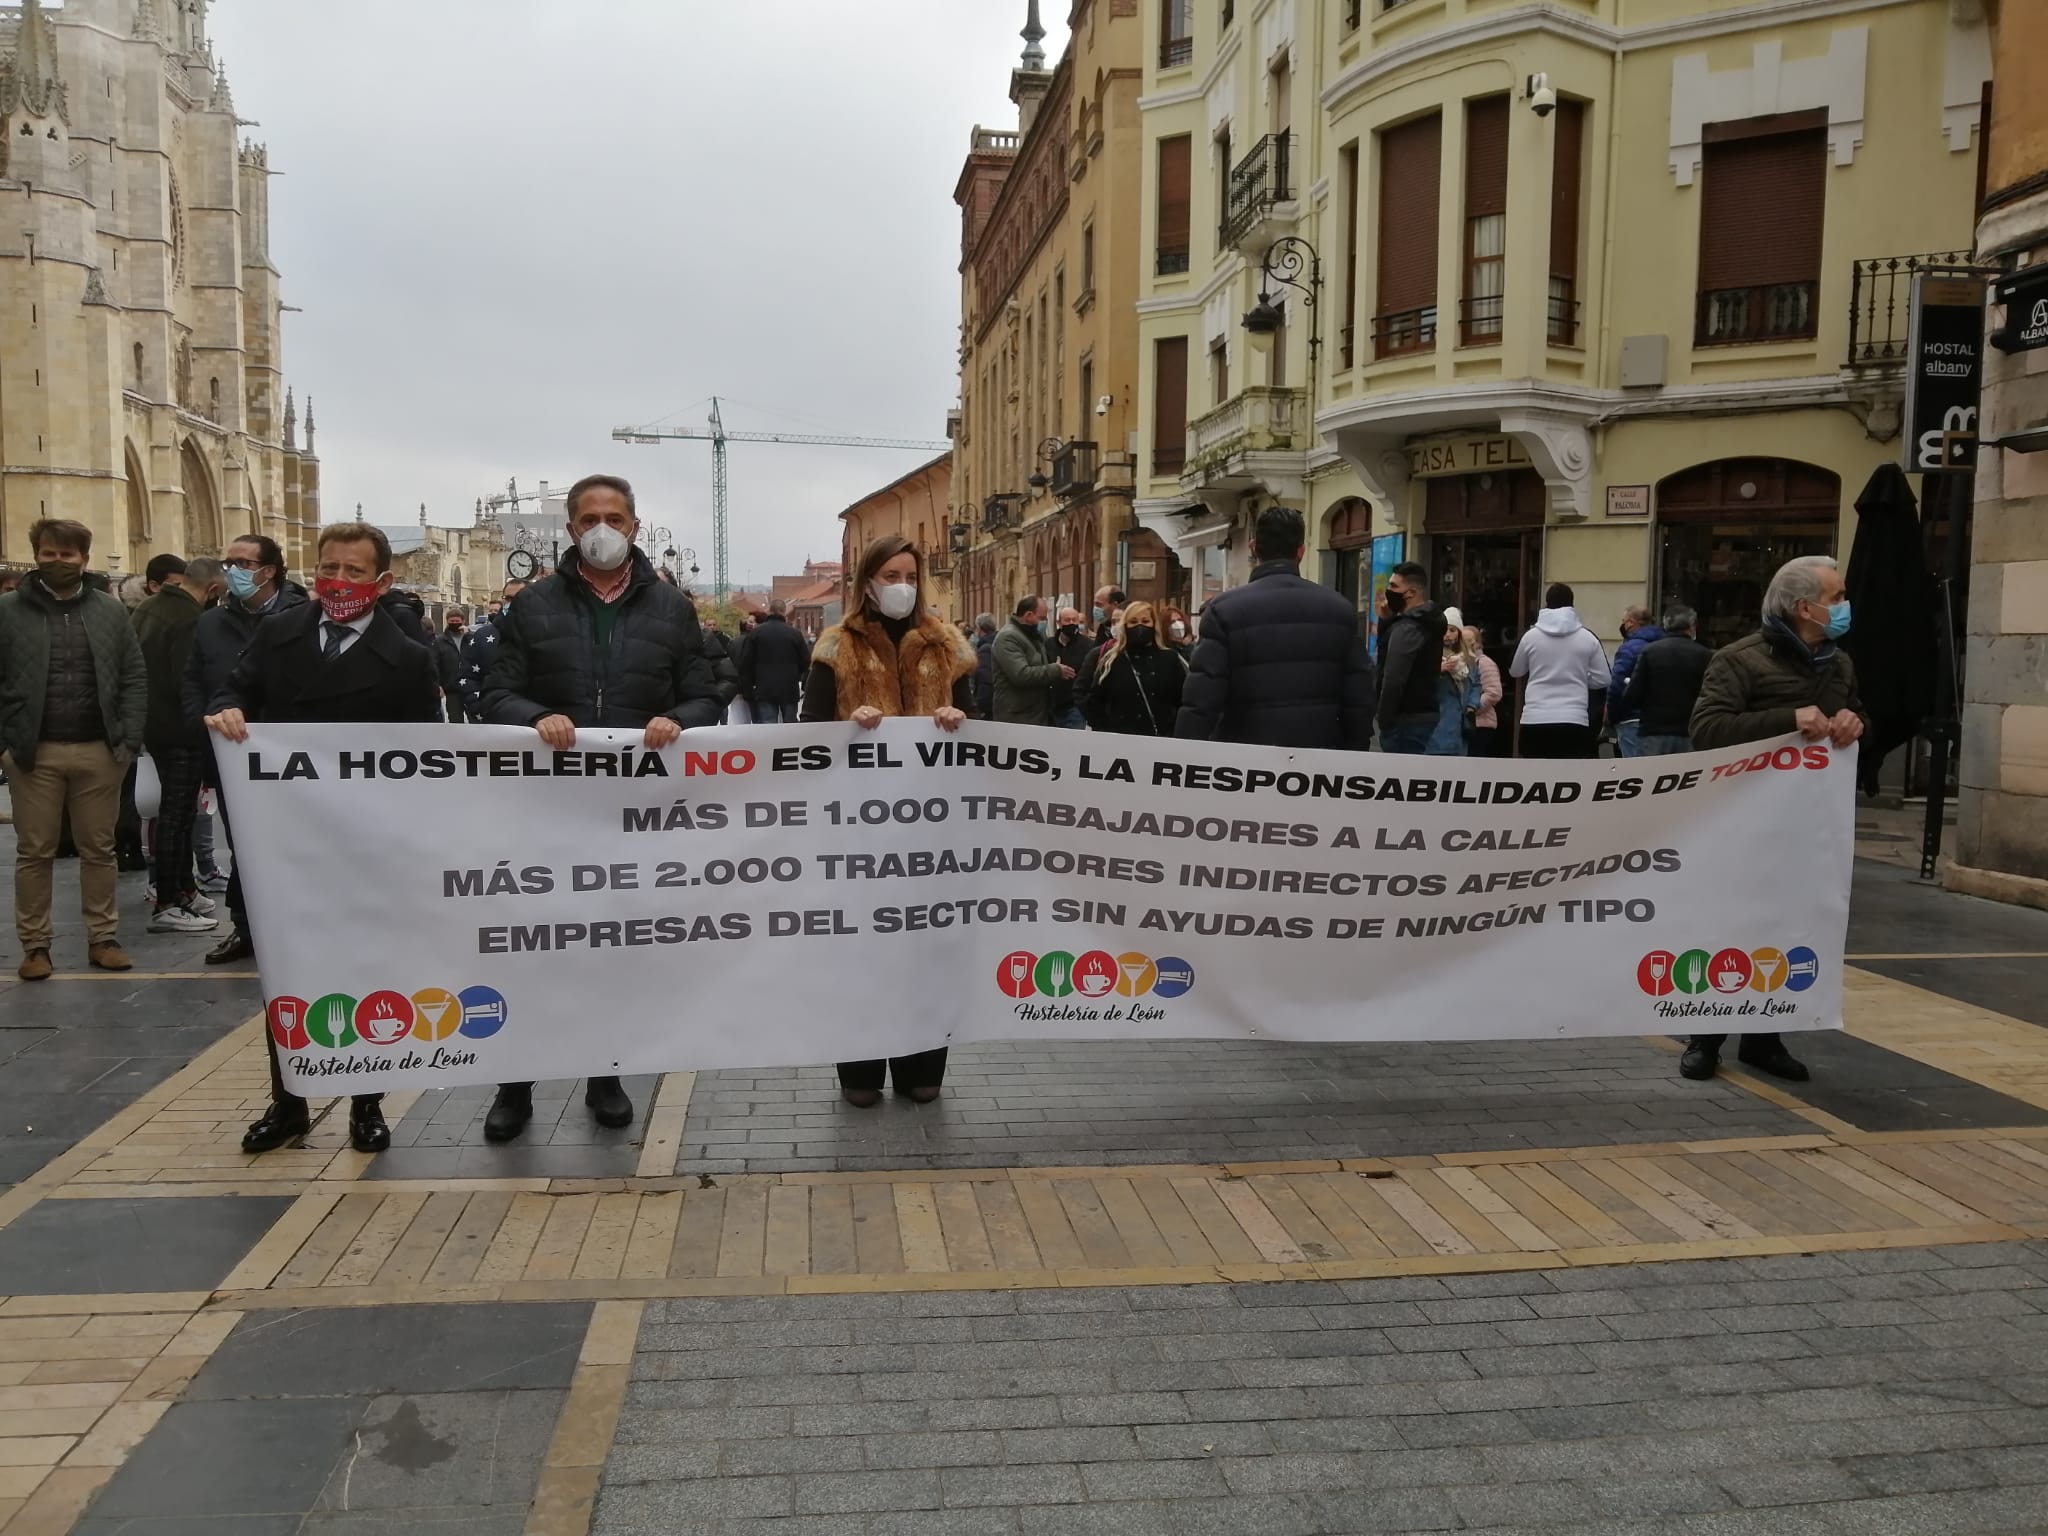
column 84, row 778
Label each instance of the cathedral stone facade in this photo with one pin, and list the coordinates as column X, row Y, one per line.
column 142, row 389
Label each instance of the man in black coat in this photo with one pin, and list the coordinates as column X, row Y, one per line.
column 447, row 648
column 601, row 643
column 773, row 661
column 1280, row 661
column 257, row 591
column 1664, row 685
column 342, row 660
column 1411, row 660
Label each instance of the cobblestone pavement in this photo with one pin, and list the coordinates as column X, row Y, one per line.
column 1195, row 1287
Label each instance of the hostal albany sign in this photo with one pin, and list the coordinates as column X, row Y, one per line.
column 1944, row 373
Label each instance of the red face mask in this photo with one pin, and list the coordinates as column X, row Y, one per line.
column 345, row 601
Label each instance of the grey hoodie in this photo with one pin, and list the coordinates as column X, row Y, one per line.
column 1563, row 662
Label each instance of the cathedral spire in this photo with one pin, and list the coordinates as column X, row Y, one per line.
column 222, row 99
column 309, row 424
column 291, row 420
column 1034, row 36
column 33, row 84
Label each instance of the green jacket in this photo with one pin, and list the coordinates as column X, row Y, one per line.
column 165, row 627
column 1023, row 676
column 123, row 681
column 1755, row 688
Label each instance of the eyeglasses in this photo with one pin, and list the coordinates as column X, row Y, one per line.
column 243, row 565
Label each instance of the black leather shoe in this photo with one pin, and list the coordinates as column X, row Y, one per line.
column 367, row 1131
column 608, row 1102
column 510, row 1111
column 236, row 946
column 1778, row 1062
column 1699, row 1063
column 281, row 1124
column 923, row 1093
column 861, row 1098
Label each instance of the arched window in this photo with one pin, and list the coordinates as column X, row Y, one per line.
column 1724, row 527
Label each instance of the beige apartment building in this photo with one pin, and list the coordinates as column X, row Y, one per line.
column 1049, row 279
column 2002, row 808
column 142, row 387
column 917, row 506
column 1590, row 291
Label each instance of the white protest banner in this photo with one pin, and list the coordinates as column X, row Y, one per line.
column 445, row 905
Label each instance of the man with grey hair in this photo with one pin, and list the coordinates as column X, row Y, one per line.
column 1787, row 677
column 1664, row 684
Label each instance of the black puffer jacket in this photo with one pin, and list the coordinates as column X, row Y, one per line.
column 1280, row 662
column 1138, row 693
column 549, row 662
column 773, row 660
column 725, row 668
column 218, row 640
column 1411, row 661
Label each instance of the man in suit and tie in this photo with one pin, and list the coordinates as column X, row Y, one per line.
column 340, row 659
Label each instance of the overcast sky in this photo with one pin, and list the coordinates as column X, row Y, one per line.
column 516, row 224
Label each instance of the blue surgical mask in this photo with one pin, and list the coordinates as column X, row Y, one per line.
column 1838, row 619
column 243, row 583
column 1100, row 616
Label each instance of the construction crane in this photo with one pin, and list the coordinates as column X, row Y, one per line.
column 718, row 437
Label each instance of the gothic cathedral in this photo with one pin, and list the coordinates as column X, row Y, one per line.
column 142, row 382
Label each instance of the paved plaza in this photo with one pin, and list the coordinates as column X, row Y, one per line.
column 1197, row 1287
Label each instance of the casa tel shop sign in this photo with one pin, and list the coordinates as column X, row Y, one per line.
column 1465, row 456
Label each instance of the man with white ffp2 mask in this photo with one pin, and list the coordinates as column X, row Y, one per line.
column 602, row 643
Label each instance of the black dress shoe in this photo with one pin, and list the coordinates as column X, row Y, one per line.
column 923, row 1093
column 1778, row 1062
column 236, row 946
column 281, row 1124
column 510, row 1111
column 861, row 1098
column 367, row 1131
column 608, row 1102
column 1699, row 1062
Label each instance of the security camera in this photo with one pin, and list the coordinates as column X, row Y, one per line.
column 1542, row 99
column 1102, row 406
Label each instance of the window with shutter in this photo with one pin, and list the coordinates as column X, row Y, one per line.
column 1411, row 158
column 1347, row 212
column 1762, row 201
column 1566, row 173
column 1175, row 170
column 1486, row 219
column 1169, row 405
column 1176, row 37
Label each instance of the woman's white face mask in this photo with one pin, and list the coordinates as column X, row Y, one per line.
column 894, row 600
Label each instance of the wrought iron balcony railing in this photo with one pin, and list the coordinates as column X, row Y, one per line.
column 1405, row 330
column 1880, row 304
column 1073, row 470
column 1176, row 51
column 1479, row 320
column 1257, row 182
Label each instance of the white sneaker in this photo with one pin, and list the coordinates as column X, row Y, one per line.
column 181, row 920
column 149, row 893
column 202, row 904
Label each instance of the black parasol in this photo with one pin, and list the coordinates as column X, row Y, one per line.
column 1892, row 596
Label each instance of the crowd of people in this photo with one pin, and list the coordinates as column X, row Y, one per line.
column 606, row 640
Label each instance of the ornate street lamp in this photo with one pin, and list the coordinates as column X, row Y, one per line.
column 1048, row 451
column 1285, row 263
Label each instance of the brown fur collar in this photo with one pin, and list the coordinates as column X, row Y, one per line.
column 915, row 679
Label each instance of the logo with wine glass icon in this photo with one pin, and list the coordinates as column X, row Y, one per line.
column 1092, row 976
column 385, row 1018
column 1697, row 972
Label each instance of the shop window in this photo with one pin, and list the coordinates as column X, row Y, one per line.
column 1724, row 528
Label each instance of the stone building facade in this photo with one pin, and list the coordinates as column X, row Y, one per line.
column 913, row 505
column 142, row 387
column 2002, row 810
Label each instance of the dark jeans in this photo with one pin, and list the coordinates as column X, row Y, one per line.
column 1662, row 746
column 1557, row 741
column 1479, row 740
column 1070, row 718
column 1409, row 736
column 925, row 1069
column 773, row 711
column 181, row 771
column 1765, row 1040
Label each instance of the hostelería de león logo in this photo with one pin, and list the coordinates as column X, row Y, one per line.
column 1704, row 973
column 1093, row 976
column 385, row 1018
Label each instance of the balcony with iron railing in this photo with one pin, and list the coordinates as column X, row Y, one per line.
column 1259, row 184
column 1881, row 304
column 1002, row 513
column 1479, row 319
column 1403, row 331
column 1176, row 52
column 1763, row 312
column 1261, row 419
column 1074, row 470
column 1561, row 320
